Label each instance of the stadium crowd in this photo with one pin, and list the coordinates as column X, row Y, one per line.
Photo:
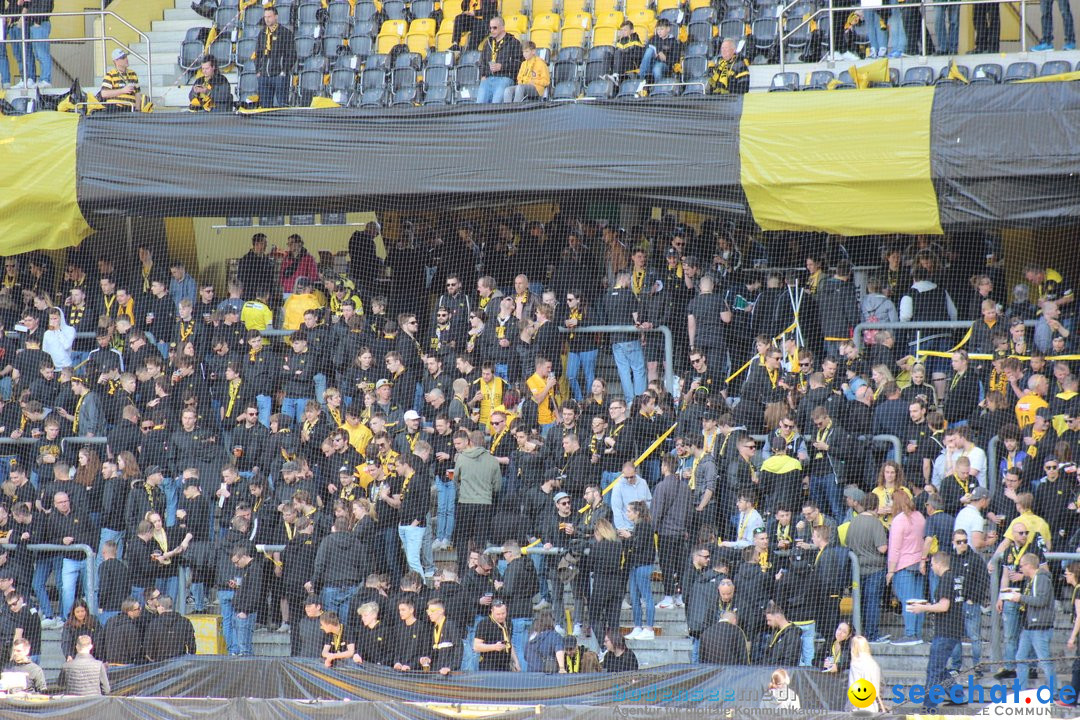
column 309, row 448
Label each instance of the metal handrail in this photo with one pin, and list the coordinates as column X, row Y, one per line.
column 856, row 593
column 669, row 344
column 90, row 582
column 994, row 565
column 102, row 38
column 922, row 5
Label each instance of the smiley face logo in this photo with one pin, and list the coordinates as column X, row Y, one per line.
column 862, row 694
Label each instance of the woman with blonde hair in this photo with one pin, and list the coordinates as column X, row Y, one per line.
column 865, row 667
column 608, row 576
column 907, row 563
column 779, row 692
column 890, row 480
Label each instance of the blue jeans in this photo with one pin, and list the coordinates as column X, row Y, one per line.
column 5, row 78
column 806, row 656
column 34, row 51
column 879, row 39
column 294, row 408
column 630, row 361
column 44, row 567
column 73, row 571
column 641, row 590
column 650, row 66
column 907, row 584
column 114, row 535
column 470, row 661
column 106, row 615
column 586, row 363
column 972, row 629
column 391, row 548
column 948, row 30
column 338, row 599
column 1037, row 641
column 826, row 493
column 412, row 537
column 225, row 598
column 897, row 34
column 265, row 405
column 520, row 636
column 320, row 387
column 872, row 587
column 244, row 628
column 1010, row 621
column 171, row 488
column 1047, row 7
column 491, row 90
column 273, row 91
column 447, row 493
column 940, row 650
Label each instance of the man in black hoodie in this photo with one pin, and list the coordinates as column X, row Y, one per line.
column 629, row 50
column 517, row 588
column 169, row 635
column 248, row 598
column 124, row 637
column 662, row 54
column 337, row 574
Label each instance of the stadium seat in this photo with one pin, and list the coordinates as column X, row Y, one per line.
column 438, row 95
column 394, row 10
column 797, row 32
column 334, row 45
column 986, row 73
column 918, row 76
column 309, row 14
column 366, row 27
column 247, row 84
column 440, row 59
column 347, row 61
column 784, row 82
column 469, row 57
column 547, row 21
column 572, row 54
column 245, row 48
column 418, row 43
column 1055, row 67
column 365, row 11
column 422, row 10
column 599, row 62
column 765, row 32
column 893, row 81
column 424, row 27
column 445, row 37
column 380, row 61
column 603, row 36
column 698, row 87
column 576, row 7
column 632, row 7
column 404, row 77
column 572, row 37
column 543, row 7
column 517, row 25
column 695, row 67
column 643, row 18
column 943, row 76
column 662, row 5
column 361, row 45
column 312, row 79
column 306, row 47
column 338, row 11
column 468, row 71
column 1020, row 71
column 819, row 80
column 733, row 28
column 583, row 21
column 372, row 79
column 24, row 105
column 436, row 76
column 222, row 52
column 543, row 38
column 703, row 49
column 695, row 4
column 600, row 89
column 191, row 49
column 466, row 93
column 311, row 30
column 601, row 7
column 406, row 96
column 630, row 88
column 226, row 19
column 664, row 88
column 286, row 14
column 566, row 90
column 374, row 98
column 511, row 7
column 337, row 28
column 343, row 81
column 252, row 22
column 846, row 82
column 563, row 70
column 392, row 33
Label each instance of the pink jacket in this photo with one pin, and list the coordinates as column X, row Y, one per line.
column 906, row 540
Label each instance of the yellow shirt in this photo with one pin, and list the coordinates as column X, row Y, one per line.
column 1034, row 524
column 256, row 316
column 297, row 305
column 1026, row 407
column 545, row 414
column 534, row 71
column 359, row 436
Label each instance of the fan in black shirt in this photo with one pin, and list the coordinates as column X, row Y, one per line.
column 373, row 640
column 411, row 638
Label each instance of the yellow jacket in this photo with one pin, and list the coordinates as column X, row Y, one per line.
column 534, row 71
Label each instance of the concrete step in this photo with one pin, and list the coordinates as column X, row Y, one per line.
column 185, row 14
column 178, row 24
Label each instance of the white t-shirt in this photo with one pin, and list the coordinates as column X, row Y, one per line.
column 970, row 520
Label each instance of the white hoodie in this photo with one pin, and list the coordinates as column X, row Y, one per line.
column 58, row 342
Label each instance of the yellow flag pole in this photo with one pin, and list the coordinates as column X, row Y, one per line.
column 641, row 458
column 534, row 543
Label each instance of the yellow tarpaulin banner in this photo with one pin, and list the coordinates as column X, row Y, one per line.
column 1060, row 77
column 833, row 162
column 40, row 206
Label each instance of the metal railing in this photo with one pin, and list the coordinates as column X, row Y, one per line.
column 102, row 38
column 829, row 11
column 917, row 326
column 856, row 594
column 669, row 344
column 89, row 579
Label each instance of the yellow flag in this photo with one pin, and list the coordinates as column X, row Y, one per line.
column 210, row 38
column 1060, row 77
column 875, row 72
column 955, row 74
column 93, row 104
column 322, row 102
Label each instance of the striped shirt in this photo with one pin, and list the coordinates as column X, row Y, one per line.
column 115, row 80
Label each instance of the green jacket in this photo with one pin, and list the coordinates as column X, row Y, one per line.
column 478, row 475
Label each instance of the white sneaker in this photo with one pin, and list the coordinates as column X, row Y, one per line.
column 578, row 630
column 542, row 605
column 679, row 601
column 625, row 605
column 560, row 630
column 666, row 603
column 883, row 52
column 850, row 56
column 646, row 634
column 21, row 85
column 283, row 628
column 633, row 634
column 44, row 84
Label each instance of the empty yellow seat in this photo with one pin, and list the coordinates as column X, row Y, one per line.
column 573, row 7
column 516, row 25
column 603, row 35
column 398, row 28
column 543, row 7
column 604, row 6
column 662, row 5
column 580, row 21
column 542, row 37
column 419, row 43
column 632, row 6
column 644, row 23
column 511, row 7
column 611, row 18
column 572, row 37
column 424, row 26
column 695, row 4
column 547, row 21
